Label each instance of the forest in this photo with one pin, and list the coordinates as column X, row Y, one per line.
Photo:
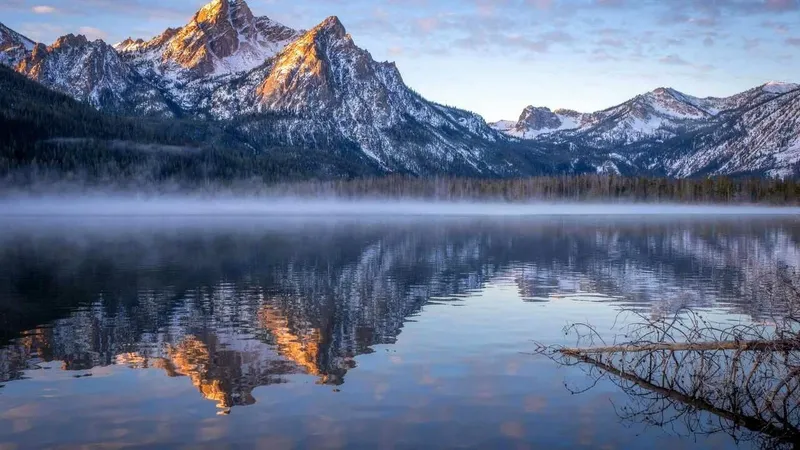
column 552, row 188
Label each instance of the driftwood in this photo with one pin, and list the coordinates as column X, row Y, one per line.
column 787, row 434
column 684, row 372
column 759, row 345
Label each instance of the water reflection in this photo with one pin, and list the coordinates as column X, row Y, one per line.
column 237, row 306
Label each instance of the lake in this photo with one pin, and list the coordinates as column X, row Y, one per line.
column 344, row 332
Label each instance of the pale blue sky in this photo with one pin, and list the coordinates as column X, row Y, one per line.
column 495, row 57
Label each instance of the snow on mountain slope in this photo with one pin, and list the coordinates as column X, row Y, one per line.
column 537, row 121
column 14, row 47
column 276, row 86
column 323, row 84
column 222, row 38
column 94, row 73
column 660, row 113
column 762, row 139
column 777, row 87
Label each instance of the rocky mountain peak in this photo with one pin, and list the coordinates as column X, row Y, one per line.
column 129, row 45
column 70, row 40
column 331, row 26
column 222, row 38
column 235, row 12
column 538, row 118
column 567, row 112
column 10, row 38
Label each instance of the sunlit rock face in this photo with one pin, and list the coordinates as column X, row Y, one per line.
column 223, row 38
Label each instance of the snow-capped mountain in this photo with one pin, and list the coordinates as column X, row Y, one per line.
column 14, row 47
column 666, row 132
column 93, row 72
column 271, row 86
column 662, row 113
column 756, row 138
column 278, row 86
column 323, row 84
column 535, row 121
column 223, row 39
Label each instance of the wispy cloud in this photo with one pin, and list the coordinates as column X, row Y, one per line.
column 43, row 9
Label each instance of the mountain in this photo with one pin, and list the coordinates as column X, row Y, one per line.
column 669, row 133
column 275, row 86
column 47, row 136
column 322, row 87
column 535, row 121
column 223, row 39
column 93, row 72
column 263, row 86
column 14, row 47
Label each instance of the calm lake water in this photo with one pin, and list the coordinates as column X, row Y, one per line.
column 332, row 333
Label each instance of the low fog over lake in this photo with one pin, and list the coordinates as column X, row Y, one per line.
column 132, row 205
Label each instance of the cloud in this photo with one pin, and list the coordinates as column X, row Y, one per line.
column 793, row 41
column 43, row 9
column 427, row 24
column 42, row 32
column 93, row 33
column 674, row 60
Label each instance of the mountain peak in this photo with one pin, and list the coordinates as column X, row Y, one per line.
column 235, row 11
column 222, row 38
column 537, row 108
column 333, row 26
column 70, row 40
column 779, row 87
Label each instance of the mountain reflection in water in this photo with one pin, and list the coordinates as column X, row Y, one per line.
column 234, row 306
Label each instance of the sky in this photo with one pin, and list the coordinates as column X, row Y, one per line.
column 495, row 57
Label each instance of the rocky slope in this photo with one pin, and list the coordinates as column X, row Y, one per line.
column 222, row 40
column 666, row 132
column 278, row 86
column 93, row 72
column 14, row 47
column 323, row 86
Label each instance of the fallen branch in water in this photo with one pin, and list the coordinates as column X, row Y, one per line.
column 787, row 434
column 760, row 345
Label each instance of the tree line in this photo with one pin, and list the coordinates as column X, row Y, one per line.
column 560, row 188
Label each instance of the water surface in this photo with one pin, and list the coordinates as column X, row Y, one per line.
column 331, row 333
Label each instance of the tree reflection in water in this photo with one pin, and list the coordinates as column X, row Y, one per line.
column 236, row 307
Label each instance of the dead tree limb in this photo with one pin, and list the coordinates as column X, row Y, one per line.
column 760, row 345
column 786, row 436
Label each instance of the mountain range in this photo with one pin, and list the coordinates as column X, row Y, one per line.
column 316, row 92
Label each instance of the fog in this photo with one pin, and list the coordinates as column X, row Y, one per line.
column 96, row 205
